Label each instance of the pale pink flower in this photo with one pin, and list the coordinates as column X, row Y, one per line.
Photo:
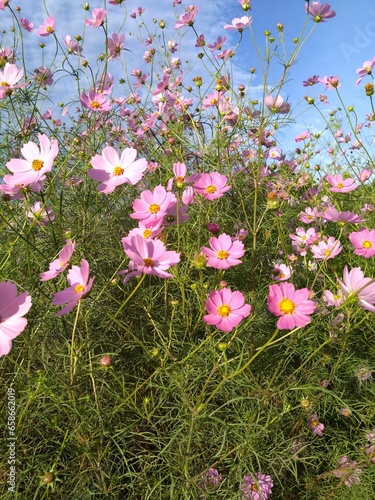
column 27, row 25
column 277, row 105
column 148, row 257
column 364, row 242
column 340, row 185
column 327, row 248
column 281, row 272
column 224, row 252
column 3, row 4
column 330, row 82
column 302, row 137
column 115, row 45
column 319, row 12
column 80, row 285
column 365, row 174
column 95, row 101
column 40, row 214
column 43, row 76
column 187, row 19
column 256, row 487
column 354, row 284
column 48, row 27
column 211, row 186
column 302, row 240
column 37, row 161
column 9, row 77
column 333, row 299
column 73, row 46
column 238, row 24
column 112, row 170
column 333, row 215
column 309, row 215
column 59, row 265
column 153, row 205
column 366, row 69
column 316, row 426
column 98, row 17
column 226, row 309
column 12, row 308
column 293, row 306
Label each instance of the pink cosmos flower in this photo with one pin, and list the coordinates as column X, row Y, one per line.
column 148, row 257
column 226, row 309
column 27, row 25
column 363, row 242
column 37, row 161
column 277, row 105
column 59, row 265
column 187, row 19
column 112, row 170
column 73, row 46
column 257, row 487
column 302, row 240
column 316, row 426
column 365, row 174
column 224, row 252
column 319, row 12
column 40, row 214
column 281, row 272
column 238, row 24
column 366, row 69
column 43, row 76
column 3, row 4
column 12, row 308
column 340, row 185
column 115, row 45
column 331, row 82
column 98, row 16
column 153, row 205
column 80, row 285
column 327, row 248
column 48, row 27
column 210, row 479
column 179, row 170
column 354, row 284
column 333, row 299
column 303, row 137
column 211, row 186
column 331, row 214
column 312, row 80
column 293, row 306
column 9, row 77
column 95, row 101
column 309, row 215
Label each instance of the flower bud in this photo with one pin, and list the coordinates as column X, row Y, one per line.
column 369, row 89
column 200, row 260
column 106, row 361
column 280, row 27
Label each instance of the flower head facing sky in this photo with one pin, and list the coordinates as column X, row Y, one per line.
column 226, row 309
column 256, row 487
column 224, row 252
column 363, row 242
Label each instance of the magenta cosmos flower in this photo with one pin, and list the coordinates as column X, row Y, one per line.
column 226, row 309
column 37, row 162
column 340, row 185
column 224, row 252
column 148, row 257
column 59, row 265
column 12, row 308
column 48, row 27
column 9, row 78
column 257, row 487
column 363, row 242
column 293, row 306
column 153, row 205
column 354, row 284
column 80, row 285
column 112, row 170
column 95, row 101
column 319, row 13
column 211, row 186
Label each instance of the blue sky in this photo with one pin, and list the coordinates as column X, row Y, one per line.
column 336, row 47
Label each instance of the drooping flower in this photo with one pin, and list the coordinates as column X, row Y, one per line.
column 354, row 284
column 226, row 309
column 316, row 426
column 61, row 263
column 256, row 487
column 224, row 252
column 211, row 186
column 319, row 13
column 153, row 205
column 331, row 214
column 98, row 17
column 9, row 77
column 48, row 27
column 293, row 306
column 363, row 242
column 340, row 185
column 80, row 285
column 95, row 101
column 112, row 170
column 37, row 162
column 148, row 257
column 73, row 46
column 12, row 308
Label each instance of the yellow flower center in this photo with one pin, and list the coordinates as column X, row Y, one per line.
column 222, row 254
column 5, row 84
column 327, row 253
column 118, row 171
column 148, row 262
column 49, row 29
column 154, row 208
column 213, row 101
column 314, row 422
column 340, row 185
column 37, row 165
column 223, row 310
column 147, row 233
column 211, row 189
column 367, row 244
column 95, row 104
column 286, row 306
column 79, row 289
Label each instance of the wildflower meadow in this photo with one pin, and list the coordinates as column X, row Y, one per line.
column 187, row 293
